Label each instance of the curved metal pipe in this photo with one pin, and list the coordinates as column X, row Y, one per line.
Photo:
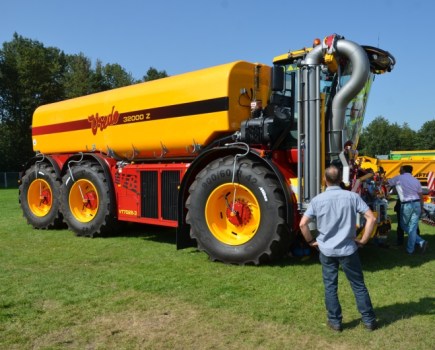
column 360, row 74
column 310, row 112
column 314, row 57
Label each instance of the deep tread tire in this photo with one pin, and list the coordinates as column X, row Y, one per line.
column 271, row 238
column 92, row 180
column 39, row 197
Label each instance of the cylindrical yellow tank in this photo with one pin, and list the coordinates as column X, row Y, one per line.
column 168, row 117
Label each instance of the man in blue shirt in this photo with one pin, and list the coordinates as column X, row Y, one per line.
column 411, row 198
column 335, row 212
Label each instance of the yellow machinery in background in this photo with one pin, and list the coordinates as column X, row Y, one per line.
column 422, row 165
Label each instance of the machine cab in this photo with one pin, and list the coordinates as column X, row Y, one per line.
column 286, row 89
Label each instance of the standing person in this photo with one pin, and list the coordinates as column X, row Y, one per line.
column 399, row 230
column 411, row 198
column 335, row 212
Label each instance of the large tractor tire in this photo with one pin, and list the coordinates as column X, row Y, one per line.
column 241, row 222
column 86, row 200
column 39, row 196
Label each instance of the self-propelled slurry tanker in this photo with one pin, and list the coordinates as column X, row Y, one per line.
column 230, row 156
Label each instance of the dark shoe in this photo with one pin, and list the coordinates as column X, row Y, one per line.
column 424, row 247
column 337, row 327
column 371, row 326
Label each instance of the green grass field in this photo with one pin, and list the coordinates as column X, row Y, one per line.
column 136, row 291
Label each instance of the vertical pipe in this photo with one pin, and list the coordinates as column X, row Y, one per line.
column 307, row 144
column 313, row 132
column 312, row 123
column 318, row 133
column 300, row 116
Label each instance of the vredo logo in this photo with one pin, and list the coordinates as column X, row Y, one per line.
column 103, row 121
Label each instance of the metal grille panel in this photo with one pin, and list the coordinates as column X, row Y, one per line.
column 170, row 183
column 149, row 194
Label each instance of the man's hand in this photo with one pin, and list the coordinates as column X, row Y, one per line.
column 303, row 225
column 314, row 245
column 360, row 243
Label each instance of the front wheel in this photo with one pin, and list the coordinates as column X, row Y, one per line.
column 240, row 222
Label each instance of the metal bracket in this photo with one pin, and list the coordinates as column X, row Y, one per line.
column 134, row 153
column 93, row 149
column 112, row 154
column 163, row 152
column 196, row 147
column 37, row 163
column 74, row 161
column 238, row 155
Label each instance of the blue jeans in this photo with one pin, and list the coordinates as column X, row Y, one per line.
column 410, row 214
column 351, row 266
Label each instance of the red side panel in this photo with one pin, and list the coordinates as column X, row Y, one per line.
column 148, row 193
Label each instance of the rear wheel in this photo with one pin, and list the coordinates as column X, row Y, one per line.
column 241, row 222
column 39, row 196
column 86, row 200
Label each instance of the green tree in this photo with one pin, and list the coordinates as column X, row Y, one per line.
column 110, row 76
column 407, row 139
column 426, row 136
column 30, row 75
column 373, row 140
column 154, row 74
column 9, row 147
column 380, row 137
column 77, row 80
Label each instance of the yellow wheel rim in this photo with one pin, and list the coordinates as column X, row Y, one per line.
column 83, row 200
column 233, row 222
column 40, row 197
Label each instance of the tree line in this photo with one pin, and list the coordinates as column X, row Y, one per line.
column 32, row 75
column 380, row 137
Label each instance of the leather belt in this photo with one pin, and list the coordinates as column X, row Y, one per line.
column 415, row 200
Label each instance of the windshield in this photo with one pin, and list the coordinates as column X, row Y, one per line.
column 355, row 112
column 330, row 84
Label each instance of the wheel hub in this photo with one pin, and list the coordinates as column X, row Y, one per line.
column 238, row 214
column 90, row 201
column 45, row 197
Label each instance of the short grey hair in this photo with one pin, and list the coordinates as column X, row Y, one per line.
column 333, row 175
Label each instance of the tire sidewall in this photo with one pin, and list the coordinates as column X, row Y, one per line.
column 253, row 179
column 85, row 172
column 50, row 219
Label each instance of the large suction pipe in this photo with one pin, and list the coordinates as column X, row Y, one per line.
column 360, row 74
column 310, row 102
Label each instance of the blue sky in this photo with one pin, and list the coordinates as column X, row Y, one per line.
column 184, row 35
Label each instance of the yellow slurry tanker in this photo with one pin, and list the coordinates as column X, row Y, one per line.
column 229, row 155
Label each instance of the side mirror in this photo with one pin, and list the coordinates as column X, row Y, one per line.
column 277, row 78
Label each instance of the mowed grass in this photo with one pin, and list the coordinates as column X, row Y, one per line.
column 136, row 291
